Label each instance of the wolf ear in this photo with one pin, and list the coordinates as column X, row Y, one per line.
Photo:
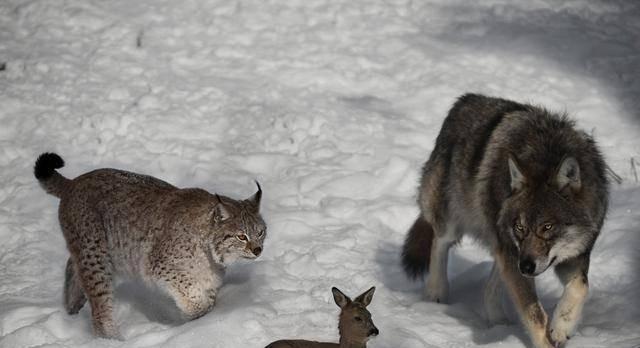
column 341, row 299
column 255, row 199
column 569, row 174
column 220, row 211
column 366, row 297
column 517, row 179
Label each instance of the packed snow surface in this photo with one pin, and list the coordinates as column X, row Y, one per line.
column 333, row 106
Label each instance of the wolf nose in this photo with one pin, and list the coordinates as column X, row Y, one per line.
column 256, row 251
column 374, row 332
column 527, row 266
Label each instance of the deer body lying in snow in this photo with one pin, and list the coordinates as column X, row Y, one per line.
column 355, row 324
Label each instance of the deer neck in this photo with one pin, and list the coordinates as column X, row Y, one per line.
column 344, row 343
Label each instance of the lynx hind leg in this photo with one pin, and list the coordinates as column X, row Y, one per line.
column 437, row 283
column 94, row 270
column 74, row 298
column 97, row 279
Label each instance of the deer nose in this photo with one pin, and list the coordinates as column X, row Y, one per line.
column 374, row 332
column 257, row 251
column 527, row 266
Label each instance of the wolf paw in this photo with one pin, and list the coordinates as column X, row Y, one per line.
column 494, row 312
column 497, row 318
column 437, row 291
column 559, row 337
column 561, row 330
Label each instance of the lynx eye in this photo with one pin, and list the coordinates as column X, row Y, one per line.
column 242, row 237
column 547, row 227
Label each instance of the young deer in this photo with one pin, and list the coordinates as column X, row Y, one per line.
column 355, row 324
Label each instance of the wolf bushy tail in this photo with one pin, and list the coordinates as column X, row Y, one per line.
column 45, row 171
column 416, row 251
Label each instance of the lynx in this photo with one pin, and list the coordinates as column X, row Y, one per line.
column 118, row 223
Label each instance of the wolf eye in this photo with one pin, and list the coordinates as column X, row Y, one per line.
column 518, row 227
column 547, row 227
column 261, row 233
column 357, row 319
column 242, row 237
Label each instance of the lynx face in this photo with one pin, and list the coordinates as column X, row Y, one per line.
column 239, row 230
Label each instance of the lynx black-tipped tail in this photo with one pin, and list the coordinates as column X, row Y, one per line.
column 416, row 251
column 45, row 171
column 46, row 165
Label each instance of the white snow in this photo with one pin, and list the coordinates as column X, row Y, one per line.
column 333, row 106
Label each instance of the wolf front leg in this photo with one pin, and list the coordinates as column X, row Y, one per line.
column 523, row 293
column 573, row 274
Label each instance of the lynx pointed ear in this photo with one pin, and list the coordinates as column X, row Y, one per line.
column 341, row 299
column 517, row 178
column 366, row 297
column 220, row 211
column 255, row 199
column 569, row 174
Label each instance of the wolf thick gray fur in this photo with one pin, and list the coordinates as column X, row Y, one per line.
column 118, row 223
column 531, row 188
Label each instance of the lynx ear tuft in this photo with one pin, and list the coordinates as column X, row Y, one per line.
column 341, row 299
column 569, row 174
column 255, row 199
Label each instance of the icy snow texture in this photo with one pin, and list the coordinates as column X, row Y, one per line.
column 333, row 106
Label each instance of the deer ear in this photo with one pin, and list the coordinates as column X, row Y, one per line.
column 341, row 299
column 366, row 297
column 569, row 174
column 517, row 178
column 255, row 199
column 220, row 211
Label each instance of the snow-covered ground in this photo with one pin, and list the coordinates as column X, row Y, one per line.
column 333, row 105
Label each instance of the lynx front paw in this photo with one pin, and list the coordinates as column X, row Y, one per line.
column 107, row 330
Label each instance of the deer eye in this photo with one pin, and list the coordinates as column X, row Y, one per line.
column 547, row 227
column 357, row 319
column 242, row 237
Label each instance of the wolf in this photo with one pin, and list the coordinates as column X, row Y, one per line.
column 118, row 223
column 528, row 186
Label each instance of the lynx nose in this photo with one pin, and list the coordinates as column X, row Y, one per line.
column 374, row 332
column 527, row 266
column 256, row 251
